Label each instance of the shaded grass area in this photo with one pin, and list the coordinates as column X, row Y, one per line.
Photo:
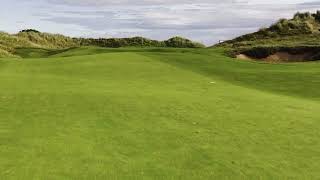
column 89, row 50
column 143, row 114
column 38, row 52
column 295, row 79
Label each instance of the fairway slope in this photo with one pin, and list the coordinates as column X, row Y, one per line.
column 147, row 114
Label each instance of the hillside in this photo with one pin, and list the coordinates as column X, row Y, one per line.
column 301, row 30
column 9, row 43
column 287, row 40
column 32, row 39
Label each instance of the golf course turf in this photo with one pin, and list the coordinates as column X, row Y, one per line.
column 144, row 113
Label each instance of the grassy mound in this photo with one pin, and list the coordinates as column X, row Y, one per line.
column 288, row 40
column 9, row 43
column 32, row 39
column 4, row 53
column 301, row 30
column 176, row 42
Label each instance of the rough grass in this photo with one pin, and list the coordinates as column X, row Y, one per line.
column 284, row 41
column 5, row 53
column 40, row 43
column 301, row 30
column 38, row 52
column 153, row 114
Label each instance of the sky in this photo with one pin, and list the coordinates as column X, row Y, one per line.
column 205, row 21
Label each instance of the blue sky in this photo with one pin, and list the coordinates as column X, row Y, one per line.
column 207, row 21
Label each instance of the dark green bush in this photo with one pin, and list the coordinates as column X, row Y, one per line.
column 30, row 30
column 302, row 16
column 180, row 42
column 317, row 16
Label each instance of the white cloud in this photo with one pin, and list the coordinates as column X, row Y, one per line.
column 203, row 20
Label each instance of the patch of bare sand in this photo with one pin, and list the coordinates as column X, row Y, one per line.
column 243, row 57
column 280, row 57
column 287, row 57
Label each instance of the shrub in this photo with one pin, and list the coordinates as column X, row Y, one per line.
column 180, row 42
column 30, row 30
column 317, row 16
column 302, row 16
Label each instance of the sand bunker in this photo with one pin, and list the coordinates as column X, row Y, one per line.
column 296, row 54
column 243, row 56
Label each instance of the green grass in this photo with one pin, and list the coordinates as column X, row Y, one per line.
column 157, row 114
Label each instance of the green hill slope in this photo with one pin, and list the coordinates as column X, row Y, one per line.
column 31, row 39
column 301, row 30
column 149, row 114
column 9, row 43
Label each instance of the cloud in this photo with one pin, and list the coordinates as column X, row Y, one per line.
column 204, row 20
column 170, row 2
column 140, row 2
